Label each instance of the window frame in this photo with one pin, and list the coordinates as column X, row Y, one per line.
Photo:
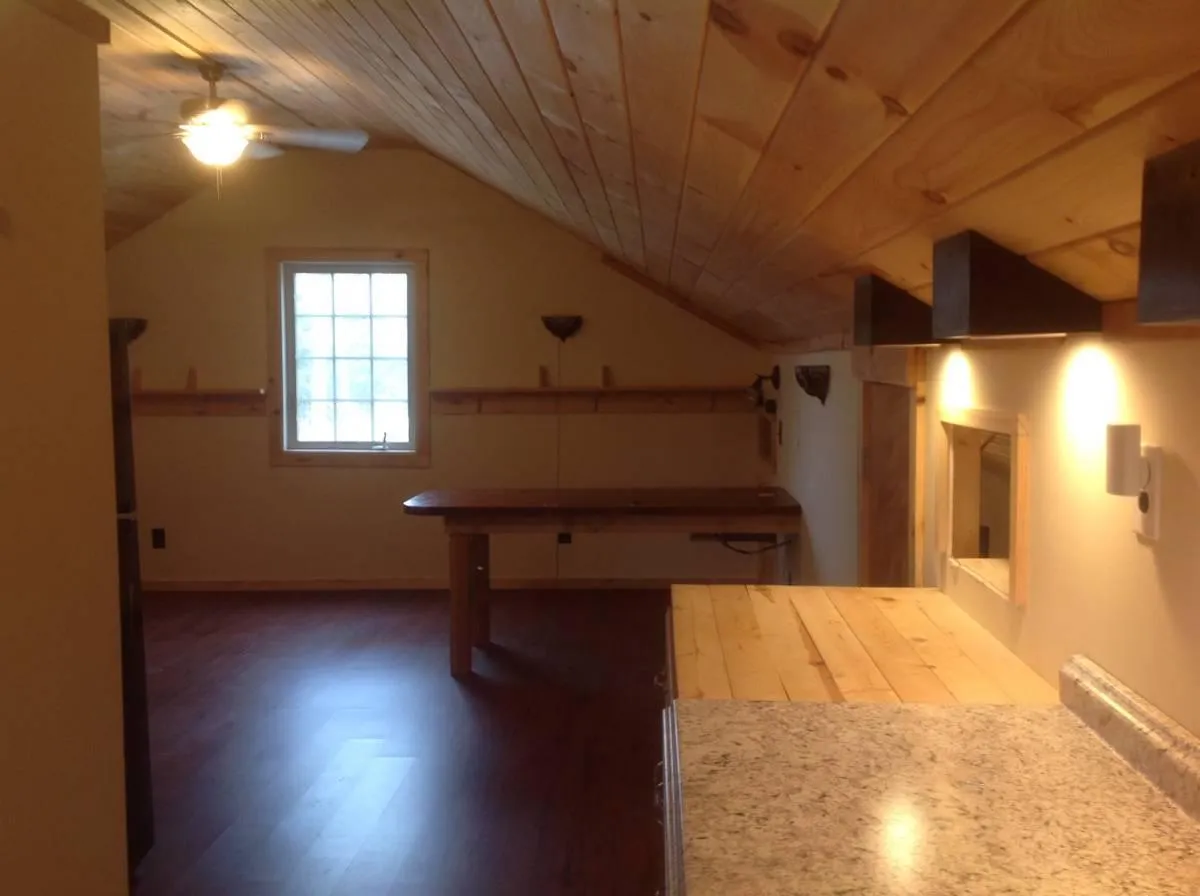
column 280, row 396
column 1016, row 426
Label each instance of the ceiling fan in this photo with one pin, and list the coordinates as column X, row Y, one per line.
column 218, row 132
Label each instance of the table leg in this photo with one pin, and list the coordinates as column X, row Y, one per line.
column 460, row 604
column 481, row 590
column 768, row 562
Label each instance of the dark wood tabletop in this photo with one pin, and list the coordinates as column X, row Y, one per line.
column 635, row 501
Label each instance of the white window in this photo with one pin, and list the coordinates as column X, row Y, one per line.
column 352, row 370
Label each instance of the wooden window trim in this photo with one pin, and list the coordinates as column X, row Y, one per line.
column 418, row 360
column 1017, row 427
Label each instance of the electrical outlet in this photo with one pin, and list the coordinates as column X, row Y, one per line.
column 564, row 537
column 158, row 539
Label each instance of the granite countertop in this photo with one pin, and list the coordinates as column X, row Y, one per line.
column 840, row 798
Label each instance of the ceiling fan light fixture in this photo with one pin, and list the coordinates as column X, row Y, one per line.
column 216, row 137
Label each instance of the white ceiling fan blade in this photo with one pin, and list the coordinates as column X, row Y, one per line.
column 257, row 149
column 314, row 138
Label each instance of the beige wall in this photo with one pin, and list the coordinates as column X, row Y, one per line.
column 61, row 795
column 1094, row 587
column 819, row 464
column 197, row 274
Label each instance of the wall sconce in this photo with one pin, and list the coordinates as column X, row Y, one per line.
column 814, row 380
column 1134, row 470
column 562, row 326
column 758, row 390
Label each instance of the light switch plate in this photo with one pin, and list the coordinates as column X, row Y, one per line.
column 1146, row 524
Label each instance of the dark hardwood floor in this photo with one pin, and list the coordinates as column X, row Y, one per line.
column 310, row 744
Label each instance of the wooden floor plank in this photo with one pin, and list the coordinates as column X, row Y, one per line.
column 857, row 676
column 905, row 670
column 752, row 675
column 1016, row 679
column 712, row 679
column 687, row 682
column 965, row 680
column 796, row 658
column 311, row 743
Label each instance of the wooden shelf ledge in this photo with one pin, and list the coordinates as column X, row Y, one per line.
column 200, row 402
column 594, row 400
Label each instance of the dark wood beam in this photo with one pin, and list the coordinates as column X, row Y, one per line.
column 982, row 289
column 1121, row 323
column 884, row 314
column 1169, row 275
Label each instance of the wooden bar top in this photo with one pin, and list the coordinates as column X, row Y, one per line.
column 625, row 501
column 776, row 642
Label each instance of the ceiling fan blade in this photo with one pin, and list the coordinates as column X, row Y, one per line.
column 314, row 138
column 257, row 149
column 130, row 141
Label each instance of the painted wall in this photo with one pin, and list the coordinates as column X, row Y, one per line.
column 62, row 816
column 198, row 275
column 1094, row 587
column 819, row 464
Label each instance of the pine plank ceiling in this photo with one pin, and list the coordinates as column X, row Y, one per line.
column 750, row 156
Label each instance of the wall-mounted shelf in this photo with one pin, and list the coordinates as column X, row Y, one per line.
column 200, row 402
column 594, row 400
column 192, row 401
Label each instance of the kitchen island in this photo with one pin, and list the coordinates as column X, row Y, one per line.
column 865, row 792
column 791, row 798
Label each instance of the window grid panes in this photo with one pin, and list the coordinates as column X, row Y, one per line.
column 347, row 336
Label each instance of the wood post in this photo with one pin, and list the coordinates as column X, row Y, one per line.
column 481, row 590
column 460, row 604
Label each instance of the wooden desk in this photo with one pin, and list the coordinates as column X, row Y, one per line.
column 472, row 515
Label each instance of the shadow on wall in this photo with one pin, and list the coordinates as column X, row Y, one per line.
column 1175, row 556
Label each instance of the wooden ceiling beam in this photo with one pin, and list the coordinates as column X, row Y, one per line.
column 884, row 314
column 1169, row 283
column 981, row 289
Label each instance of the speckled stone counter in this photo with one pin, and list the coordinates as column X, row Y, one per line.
column 844, row 799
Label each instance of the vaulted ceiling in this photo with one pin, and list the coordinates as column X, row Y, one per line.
column 751, row 156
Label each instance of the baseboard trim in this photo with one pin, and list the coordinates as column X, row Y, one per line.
column 425, row 584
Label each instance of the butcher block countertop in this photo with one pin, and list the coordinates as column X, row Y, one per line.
column 859, row 645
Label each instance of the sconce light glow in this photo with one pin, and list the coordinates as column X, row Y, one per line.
column 957, row 390
column 1090, row 400
column 216, row 137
